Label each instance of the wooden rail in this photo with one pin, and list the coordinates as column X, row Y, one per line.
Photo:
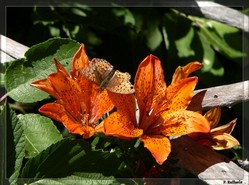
column 10, row 49
column 210, row 166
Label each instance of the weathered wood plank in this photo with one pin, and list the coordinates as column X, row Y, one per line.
column 4, row 57
column 205, row 163
column 217, row 12
column 225, row 95
column 226, row 15
column 11, row 49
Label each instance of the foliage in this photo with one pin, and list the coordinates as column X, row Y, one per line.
column 169, row 34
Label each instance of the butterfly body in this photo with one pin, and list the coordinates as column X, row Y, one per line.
column 102, row 73
column 103, row 82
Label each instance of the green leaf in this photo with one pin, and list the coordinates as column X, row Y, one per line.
column 44, row 15
column 245, row 11
column 125, row 14
column 84, row 178
column 67, row 157
column 40, row 133
column 218, row 69
column 183, row 44
column 15, row 144
column 154, row 36
column 220, row 45
column 208, row 53
column 38, row 64
column 225, row 39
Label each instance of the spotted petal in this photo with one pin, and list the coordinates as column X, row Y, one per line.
column 79, row 61
column 121, row 126
column 180, row 93
column 181, row 122
column 149, row 83
column 68, row 92
column 60, row 68
column 159, row 146
column 101, row 105
column 57, row 112
column 125, row 104
column 45, row 85
column 183, row 71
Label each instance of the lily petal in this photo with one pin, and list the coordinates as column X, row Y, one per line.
column 213, row 116
column 227, row 128
column 69, row 93
column 180, row 93
column 57, row 112
column 159, row 146
column 53, row 110
column 149, row 82
column 205, row 139
column 101, row 105
column 183, row 71
column 181, row 122
column 76, row 127
column 100, row 128
column 121, row 126
column 224, row 141
column 79, row 61
column 60, row 68
column 45, row 85
column 125, row 104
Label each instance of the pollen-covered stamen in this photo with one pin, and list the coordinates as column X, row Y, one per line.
column 85, row 119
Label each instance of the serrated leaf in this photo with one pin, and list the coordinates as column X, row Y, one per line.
column 90, row 179
column 15, row 144
column 40, row 133
column 67, row 157
column 38, row 64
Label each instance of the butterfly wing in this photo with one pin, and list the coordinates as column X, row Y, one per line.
column 102, row 68
column 89, row 73
column 101, row 72
column 120, row 83
column 97, row 70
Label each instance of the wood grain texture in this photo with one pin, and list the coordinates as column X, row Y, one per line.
column 10, row 49
column 217, row 12
column 205, row 163
column 225, row 95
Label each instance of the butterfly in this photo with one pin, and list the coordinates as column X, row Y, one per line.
column 102, row 73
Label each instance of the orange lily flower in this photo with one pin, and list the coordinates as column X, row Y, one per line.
column 79, row 103
column 162, row 110
column 182, row 72
column 218, row 138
